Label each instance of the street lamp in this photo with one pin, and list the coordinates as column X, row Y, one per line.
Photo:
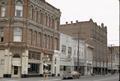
column 45, row 59
column 78, row 54
column 78, row 42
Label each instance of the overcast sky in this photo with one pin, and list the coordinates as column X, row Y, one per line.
column 101, row 11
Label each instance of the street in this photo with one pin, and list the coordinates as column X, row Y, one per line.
column 83, row 78
column 98, row 78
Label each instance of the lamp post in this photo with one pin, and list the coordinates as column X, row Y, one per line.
column 45, row 59
column 78, row 54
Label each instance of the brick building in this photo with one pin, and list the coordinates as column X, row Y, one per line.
column 113, row 59
column 29, row 34
column 94, row 35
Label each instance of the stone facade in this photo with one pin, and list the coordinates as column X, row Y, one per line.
column 94, row 35
column 29, row 32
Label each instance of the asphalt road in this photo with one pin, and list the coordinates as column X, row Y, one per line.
column 84, row 78
column 98, row 78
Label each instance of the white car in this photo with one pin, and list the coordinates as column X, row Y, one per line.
column 75, row 74
column 71, row 75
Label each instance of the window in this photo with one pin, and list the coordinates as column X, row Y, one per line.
column 69, row 51
column 17, row 36
column 56, row 44
column 3, row 11
column 1, row 35
column 30, row 12
column 45, row 41
column 16, row 56
column 63, row 49
column 19, row 8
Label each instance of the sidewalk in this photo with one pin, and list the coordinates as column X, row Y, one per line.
column 95, row 76
column 32, row 79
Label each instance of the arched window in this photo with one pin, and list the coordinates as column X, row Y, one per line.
column 16, row 56
column 18, row 8
column 3, row 8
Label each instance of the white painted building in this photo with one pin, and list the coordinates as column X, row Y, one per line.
column 66, row 55
column 69, row 55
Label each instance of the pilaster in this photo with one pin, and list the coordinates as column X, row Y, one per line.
column 24, row 68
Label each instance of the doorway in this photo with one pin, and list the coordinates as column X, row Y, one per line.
column 16, row 71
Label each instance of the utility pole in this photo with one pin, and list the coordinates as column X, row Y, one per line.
column 111, row 50
column 78, row 68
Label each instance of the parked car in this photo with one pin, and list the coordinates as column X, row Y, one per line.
column 71, row 75
column 75, row 74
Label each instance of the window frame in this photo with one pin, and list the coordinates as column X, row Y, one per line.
column 1, row 34
column 17, row 32
column 19, row 8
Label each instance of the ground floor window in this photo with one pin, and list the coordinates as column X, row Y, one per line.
column 33, row 68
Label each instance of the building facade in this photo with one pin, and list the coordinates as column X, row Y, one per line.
column 66, row 54
column 93, row 35
column 70, row 59
column 29, row 34
column 113, row 59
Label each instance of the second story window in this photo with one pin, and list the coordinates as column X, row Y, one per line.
column 69, row 51
column 1, row 35
column 3, row 11
column 3, row 8
column 63, row 49
column 19, row 8
column 17, row 35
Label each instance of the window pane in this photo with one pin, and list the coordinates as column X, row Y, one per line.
column 63, row 49
column 17, row 35
column 1, row 35
column 17, row 38
column 3, row 10
column 19, row 11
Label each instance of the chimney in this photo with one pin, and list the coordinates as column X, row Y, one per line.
column 76, row 21
column 102, row 25
column 91, row 20
column 66, row 22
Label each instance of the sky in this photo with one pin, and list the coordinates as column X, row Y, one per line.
column 101, row 11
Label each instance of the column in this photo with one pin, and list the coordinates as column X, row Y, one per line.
column 53, row 65
column 41, row 65
column 24, row 65
column 8, row 63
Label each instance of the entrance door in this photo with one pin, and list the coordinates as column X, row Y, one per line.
column 16, row 71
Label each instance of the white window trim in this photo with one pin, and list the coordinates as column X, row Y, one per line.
column 20, row 8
